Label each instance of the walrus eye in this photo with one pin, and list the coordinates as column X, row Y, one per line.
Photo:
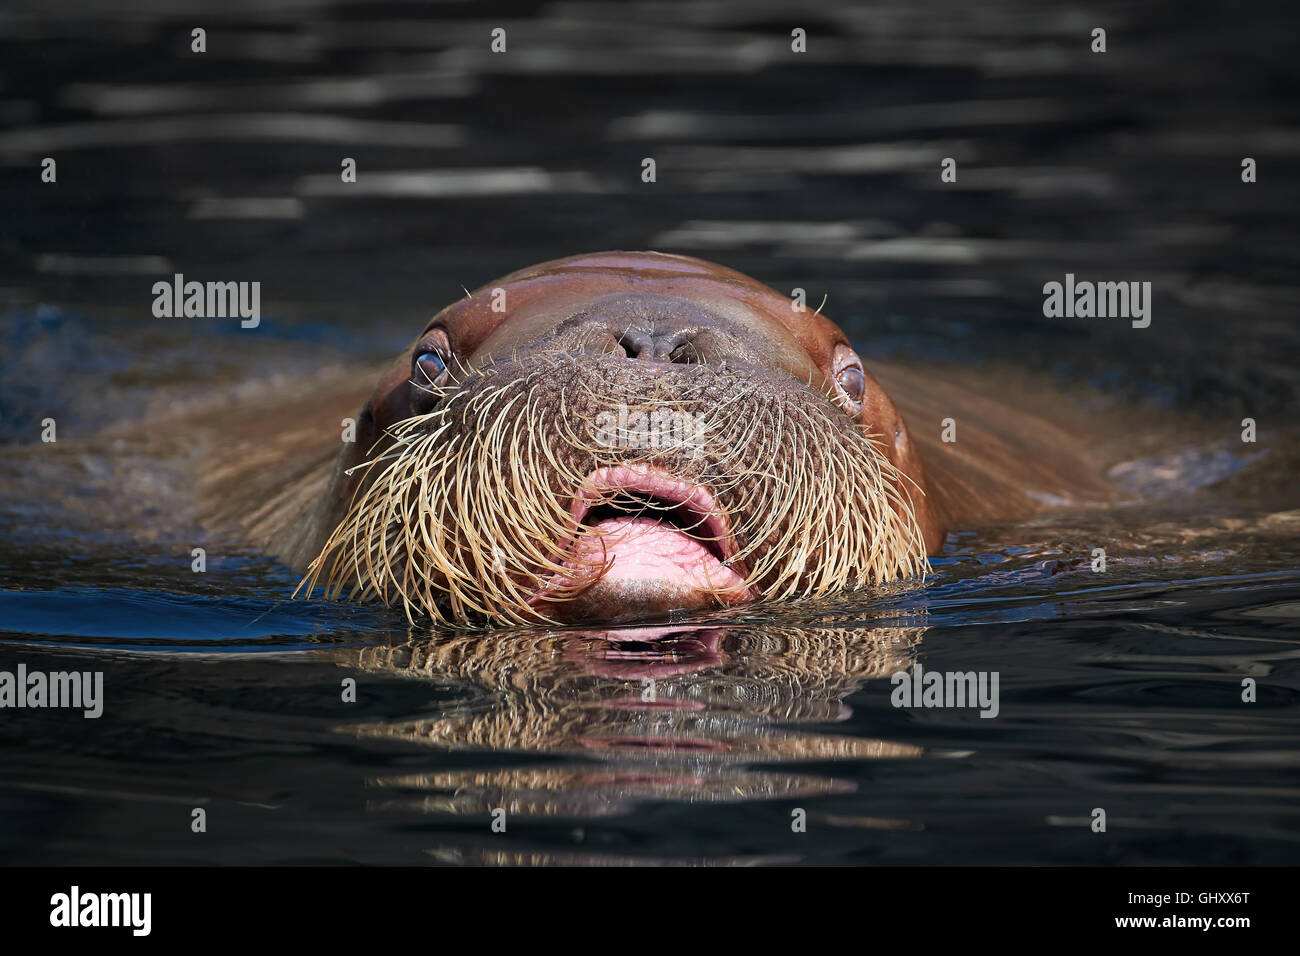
column 430, row 367
column 850, row 377
column 854, row 384
column 429, row 371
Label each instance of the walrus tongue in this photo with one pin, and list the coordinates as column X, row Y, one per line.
column 644, row 542
column 640, row 548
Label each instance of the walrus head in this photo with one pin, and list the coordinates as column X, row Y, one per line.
column 621, row 435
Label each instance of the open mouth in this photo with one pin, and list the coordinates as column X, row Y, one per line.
column 640, row 533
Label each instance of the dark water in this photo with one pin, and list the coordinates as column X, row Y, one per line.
column 1119, row 690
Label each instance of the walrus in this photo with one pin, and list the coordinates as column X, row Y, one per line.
column 619, row 436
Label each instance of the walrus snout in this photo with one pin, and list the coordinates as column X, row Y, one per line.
column 657, row 328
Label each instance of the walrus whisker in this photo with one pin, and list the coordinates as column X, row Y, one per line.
column 829, row 511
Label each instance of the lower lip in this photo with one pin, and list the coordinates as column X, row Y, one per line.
column 644, row 549
column 636, row 550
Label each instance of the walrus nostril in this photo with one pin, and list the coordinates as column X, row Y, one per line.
column 669, row 346
column 637, row 344
column 686, row 354
column 608, row 344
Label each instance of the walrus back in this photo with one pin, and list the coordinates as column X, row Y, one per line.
column 1012, row 452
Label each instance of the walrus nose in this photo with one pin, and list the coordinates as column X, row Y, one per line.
column 670, row 329
column 659, row 345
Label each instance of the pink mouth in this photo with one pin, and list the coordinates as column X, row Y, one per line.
column 655, row 536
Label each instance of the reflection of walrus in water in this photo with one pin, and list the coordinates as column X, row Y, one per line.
column 660, row 713
column 621, row 434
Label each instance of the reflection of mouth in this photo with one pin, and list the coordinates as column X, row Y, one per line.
column 724, row 697
column 645, row 539
column 654, row 652
column 631, row 779
column 672, row 745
